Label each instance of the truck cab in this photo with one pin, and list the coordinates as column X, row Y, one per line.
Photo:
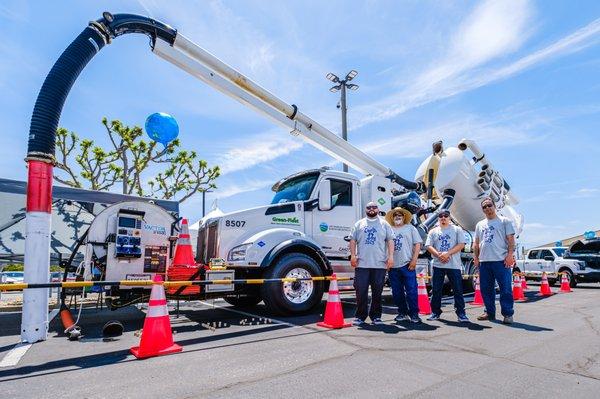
column 304, row 232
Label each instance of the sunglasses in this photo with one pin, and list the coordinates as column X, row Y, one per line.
column 443, row 216
column 372, row 207
column 486, row 206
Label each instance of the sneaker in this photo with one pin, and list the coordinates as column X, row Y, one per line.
column 433, row 317
column 377, row 321
column 402, row 317
column 507, row 320
column 485, row 317
column 415, row 319
column 463, row 318
column 358, row 322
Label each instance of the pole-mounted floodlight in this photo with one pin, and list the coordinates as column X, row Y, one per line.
column 343, row 85
column 351, row 75
column 332, row 77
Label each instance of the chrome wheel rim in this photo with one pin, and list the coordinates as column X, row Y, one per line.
column 299, row 291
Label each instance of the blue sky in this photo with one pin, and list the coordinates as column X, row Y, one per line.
column 520, row 77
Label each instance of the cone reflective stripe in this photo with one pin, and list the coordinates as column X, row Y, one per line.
column 334, row 315
column 183, row 250
column 423, row 298
column 157, row 337
column 478, row 299
column 518, row 294
column 545, row 287
column 524, row 284
column 565, row 285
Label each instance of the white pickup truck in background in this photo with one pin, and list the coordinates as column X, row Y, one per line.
column 551, row 261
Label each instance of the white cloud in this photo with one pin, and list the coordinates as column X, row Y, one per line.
column 457, row 75
column 258, row 149
column 491, row 132
column 585, row 193
column 247, row 186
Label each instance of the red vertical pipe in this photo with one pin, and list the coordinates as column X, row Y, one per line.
column 39, row 187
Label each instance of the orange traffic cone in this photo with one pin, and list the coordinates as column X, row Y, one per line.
column 518, row 294
column 565, row 284
column 545, row 287
column 478, row 299
column 334, row 315
column 424, row 305
column 157, row 337
column 183, row 251
column 524, row 283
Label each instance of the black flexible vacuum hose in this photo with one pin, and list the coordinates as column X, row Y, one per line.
column 56, row 87
column 62, row 76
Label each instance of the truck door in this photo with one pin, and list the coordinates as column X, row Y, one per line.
column 531, row 264
column 330, row 227
column 548, row 266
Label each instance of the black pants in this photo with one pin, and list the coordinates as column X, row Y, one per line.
column 363, row 279
column 437, row 282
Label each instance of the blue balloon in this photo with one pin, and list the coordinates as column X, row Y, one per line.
column 162, row 128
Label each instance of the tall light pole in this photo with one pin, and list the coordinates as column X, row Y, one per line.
column 204, row 201
column 342, row 84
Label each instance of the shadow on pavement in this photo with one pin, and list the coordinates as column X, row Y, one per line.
column 469, row 326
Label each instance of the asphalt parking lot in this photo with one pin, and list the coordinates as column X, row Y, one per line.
column 552, row 350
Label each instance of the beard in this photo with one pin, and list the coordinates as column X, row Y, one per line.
column 372, row 214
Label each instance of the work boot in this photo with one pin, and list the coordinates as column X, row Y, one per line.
column 507, row 320
column 486, row 317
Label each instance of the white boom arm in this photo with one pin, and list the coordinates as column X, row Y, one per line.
column 200, row 63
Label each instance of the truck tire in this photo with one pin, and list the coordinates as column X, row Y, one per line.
column 243, row 302
column 297, row 297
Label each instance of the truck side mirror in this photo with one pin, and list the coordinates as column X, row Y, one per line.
column 550, row 258
column 325, row 195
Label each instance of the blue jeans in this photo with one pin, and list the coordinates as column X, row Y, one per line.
column 488, row 272
column 363, row 279
column 404, row 290
column 437, row 282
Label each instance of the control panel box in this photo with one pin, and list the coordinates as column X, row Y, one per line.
column 128, row 237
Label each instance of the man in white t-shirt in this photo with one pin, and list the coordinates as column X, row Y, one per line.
column 444, row 243
column 371, row 255
column 494, row 255
column 402, row 276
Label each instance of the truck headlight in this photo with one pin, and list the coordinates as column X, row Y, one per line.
column 581, row 265
column 238, row 253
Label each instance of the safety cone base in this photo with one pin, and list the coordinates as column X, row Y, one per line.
column 327, row 325
column 166, row 351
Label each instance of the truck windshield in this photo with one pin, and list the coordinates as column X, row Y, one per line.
column 296, row 189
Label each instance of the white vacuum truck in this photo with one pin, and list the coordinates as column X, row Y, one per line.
column 304, row 232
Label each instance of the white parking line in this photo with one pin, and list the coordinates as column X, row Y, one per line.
column 15, row 354
column 13, row 357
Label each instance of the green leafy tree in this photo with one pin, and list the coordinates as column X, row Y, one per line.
column 87, row 165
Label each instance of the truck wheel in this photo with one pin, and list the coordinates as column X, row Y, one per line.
column 243, row 301
column 297, row 297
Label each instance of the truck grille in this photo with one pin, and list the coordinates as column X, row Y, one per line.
column 208, row 243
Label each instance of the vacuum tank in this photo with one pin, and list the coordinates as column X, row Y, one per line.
column 472, row 178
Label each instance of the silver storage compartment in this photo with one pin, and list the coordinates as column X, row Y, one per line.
column 219, row 275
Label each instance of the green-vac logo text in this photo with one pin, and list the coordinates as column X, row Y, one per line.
column 289, row 220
